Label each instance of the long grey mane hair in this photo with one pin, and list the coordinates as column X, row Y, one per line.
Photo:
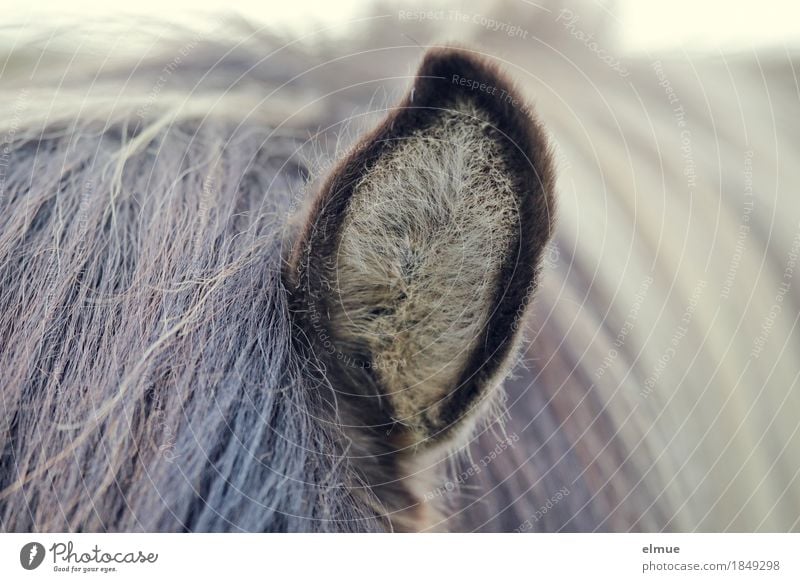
column 150, row 377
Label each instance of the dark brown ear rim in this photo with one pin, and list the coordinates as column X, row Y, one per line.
column 446, row 77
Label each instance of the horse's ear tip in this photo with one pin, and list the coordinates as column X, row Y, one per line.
column 449, row 73
column 453, row 59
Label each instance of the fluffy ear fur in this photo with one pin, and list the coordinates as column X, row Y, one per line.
column 421, row 251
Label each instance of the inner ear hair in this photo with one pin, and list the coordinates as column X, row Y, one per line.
column 421, row 251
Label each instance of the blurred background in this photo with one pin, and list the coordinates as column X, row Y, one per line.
column 706, row 25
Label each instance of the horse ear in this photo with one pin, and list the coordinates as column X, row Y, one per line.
column 420, row 252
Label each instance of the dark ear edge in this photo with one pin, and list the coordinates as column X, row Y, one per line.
column 446, row 76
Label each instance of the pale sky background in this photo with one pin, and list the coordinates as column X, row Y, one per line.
column 645, row 24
